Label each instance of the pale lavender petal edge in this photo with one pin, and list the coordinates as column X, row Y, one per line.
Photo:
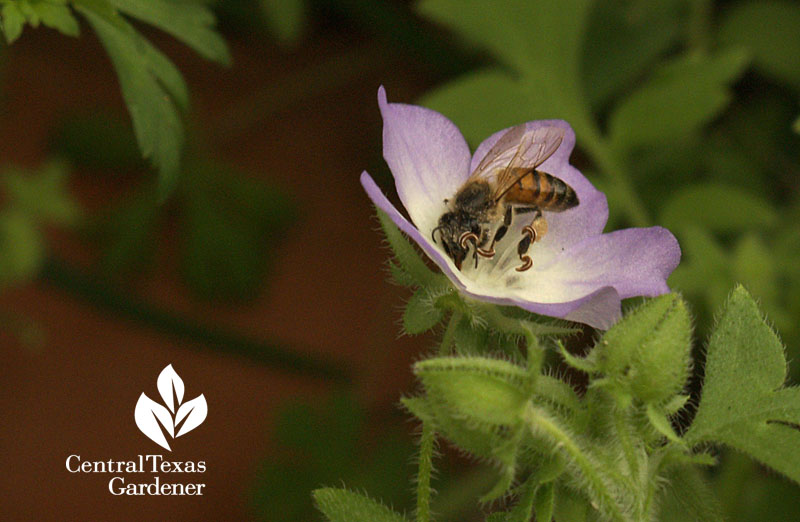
column 428, row 156
column 635, row 261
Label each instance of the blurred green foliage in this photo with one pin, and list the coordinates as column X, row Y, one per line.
column 33, row 199
column 686, row 113
column 152, row 87
column 230, row 224
column 325, row 444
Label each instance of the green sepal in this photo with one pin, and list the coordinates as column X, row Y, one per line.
column 648, row 351
column 658, row 419
column 407, row 257
column 420, row 314
column 675, row 404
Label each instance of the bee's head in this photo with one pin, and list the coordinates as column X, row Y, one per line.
column 451, row 226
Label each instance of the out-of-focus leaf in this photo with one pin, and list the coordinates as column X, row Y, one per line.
column 625, row 38
column 51, row 13
column 704, row 273
column 718, row 208
column 769, row 29
column 21, row 247
column 542, row 41
column 231, row 225
column 41, row 195
column 127, row 233
column 286, row 19
column 678, row 99
column 188, row 21
column 13, row 22
column 152, row 87
column 56, row 15
column 322, row 444
column 97, row 141
column 486, row 88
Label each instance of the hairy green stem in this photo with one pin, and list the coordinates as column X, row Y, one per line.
column 538, row 422
column 624, row 434
column 426, row 444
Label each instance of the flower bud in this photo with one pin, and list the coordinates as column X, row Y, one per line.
column 648, row 351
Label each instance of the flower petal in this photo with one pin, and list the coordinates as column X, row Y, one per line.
column 402, row 223
column 588, row 218
column 635, row 261
column 428, row 156
column 601, row 311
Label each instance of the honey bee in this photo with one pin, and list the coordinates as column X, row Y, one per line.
column 505, row 184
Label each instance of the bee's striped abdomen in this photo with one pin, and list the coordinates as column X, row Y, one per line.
column 542, row 190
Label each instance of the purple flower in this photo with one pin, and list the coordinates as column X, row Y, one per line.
column 578, row 273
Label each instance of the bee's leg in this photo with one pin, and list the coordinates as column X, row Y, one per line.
column 500, row 233
column 532, row 233
column 473, row 237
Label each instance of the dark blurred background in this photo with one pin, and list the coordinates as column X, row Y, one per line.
column 262, row 279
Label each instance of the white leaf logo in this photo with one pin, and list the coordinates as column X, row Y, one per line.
column 153, row 419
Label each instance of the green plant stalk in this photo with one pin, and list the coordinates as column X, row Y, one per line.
column 624, row 434
column 426, row 444
column 617, row 173
column 78, row 284
column 539, row 421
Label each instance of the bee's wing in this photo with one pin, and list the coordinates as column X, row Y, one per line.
column 533, row 149
column 500, row 155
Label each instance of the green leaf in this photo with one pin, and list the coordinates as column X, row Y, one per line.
column 464, row 100
column 687, row 498
column 151, row 86
column 717, row 208
column 769, row 30
column 13, row 21
column 744, row 403
column 341, row 505
column 188, row 21
column 420, row 315
column 489, row 391
column 286, row 19
column 626, row 38
column 515, row 33
column 678, row 99
column 57, row 16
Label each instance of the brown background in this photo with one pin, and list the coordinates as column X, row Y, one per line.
column 328, row 295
